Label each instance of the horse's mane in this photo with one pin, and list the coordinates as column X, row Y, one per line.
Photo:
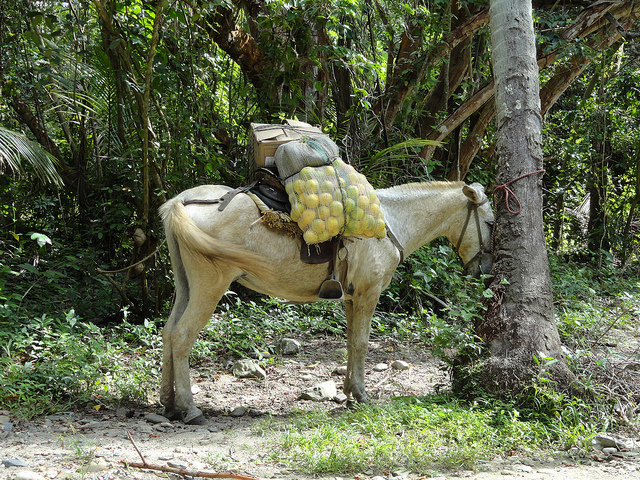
column 420, row 187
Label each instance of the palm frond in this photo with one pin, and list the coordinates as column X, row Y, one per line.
column 392, row 162
column 16, row 148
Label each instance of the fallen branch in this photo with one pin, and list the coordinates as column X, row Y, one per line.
column 181, row 471
column 144, row 461
column 189, row 473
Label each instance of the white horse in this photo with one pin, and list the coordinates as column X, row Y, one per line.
column 210, row 249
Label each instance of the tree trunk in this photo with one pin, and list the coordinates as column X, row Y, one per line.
column 518, row 328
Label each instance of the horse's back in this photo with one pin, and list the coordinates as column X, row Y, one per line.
column 202, row 227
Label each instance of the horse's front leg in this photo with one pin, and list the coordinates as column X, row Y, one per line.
column 359, row 311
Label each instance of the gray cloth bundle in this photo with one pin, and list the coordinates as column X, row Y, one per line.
column 316, row 151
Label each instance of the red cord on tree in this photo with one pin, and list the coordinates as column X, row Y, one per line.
column 508, row 192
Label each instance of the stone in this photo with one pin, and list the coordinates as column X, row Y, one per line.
column 321, row 392
column 401, row 473
column 178, row 464
column 13, row 462
column 125, row 412
column 341, row 352
column 28, row 475
column 548, row 471
column 308, row 377
column 248, row 368
column 289, row 346
column 97, row 467
column 609, row 450
column 601, row 441
column 260, row 355
column 340, row 398
column 67, row 475
column 146, row 429
column 340, row 370
column 380, row 367
column 239, row 411
column 155, row 418
column 523, row 468
column 400, row 365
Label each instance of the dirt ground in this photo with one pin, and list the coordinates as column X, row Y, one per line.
column 94, row 444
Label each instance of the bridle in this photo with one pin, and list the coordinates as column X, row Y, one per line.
column 485, row 250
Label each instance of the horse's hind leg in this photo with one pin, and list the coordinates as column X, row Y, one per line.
column 167, row 388
column 207, row 285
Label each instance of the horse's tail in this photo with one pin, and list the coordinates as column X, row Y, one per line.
column 192, row 240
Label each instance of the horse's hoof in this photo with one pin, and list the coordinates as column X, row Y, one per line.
column 355, row 400
column 173, row 414
column 197, row 420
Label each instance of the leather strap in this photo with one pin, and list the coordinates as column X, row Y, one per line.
column 396, row 243
column 472, row 208
column 223, row 201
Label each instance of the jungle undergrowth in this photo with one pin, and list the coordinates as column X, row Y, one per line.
column 51, row 362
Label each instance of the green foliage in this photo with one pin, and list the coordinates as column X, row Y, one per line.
column 590, row 302
column 43, row 276
column 592, row 176
column 56, row 363
column 422, row 434
column 430, row 285
column 15, row 147
column 245, row 327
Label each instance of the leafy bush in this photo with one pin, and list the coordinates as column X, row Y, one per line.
column 55, row 363
column 39, row 276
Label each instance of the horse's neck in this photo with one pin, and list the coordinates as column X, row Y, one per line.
column 420, row 214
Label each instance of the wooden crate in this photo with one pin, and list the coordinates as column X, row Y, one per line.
column 264, row 139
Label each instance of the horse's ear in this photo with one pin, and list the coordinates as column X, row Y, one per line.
column 475, row 193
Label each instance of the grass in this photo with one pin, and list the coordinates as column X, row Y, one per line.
column 421, row 435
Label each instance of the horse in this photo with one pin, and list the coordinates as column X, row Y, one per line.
column 212, row 247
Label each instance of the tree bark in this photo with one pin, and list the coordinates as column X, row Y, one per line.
column 604, row 26
column 518, row 328
column 411, row 64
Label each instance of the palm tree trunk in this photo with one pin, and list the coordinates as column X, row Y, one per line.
column 518, row 328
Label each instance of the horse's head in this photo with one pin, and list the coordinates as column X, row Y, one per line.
column 474, row 242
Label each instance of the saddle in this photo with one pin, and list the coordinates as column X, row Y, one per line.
column 268, row 188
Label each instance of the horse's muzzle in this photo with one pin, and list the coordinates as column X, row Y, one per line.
column 479, row 265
